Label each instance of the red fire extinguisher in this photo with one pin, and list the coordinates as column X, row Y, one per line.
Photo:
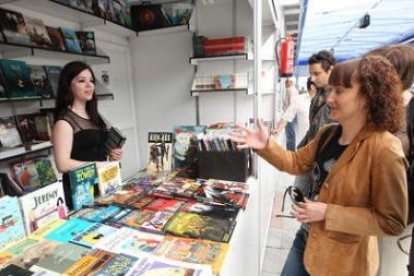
column 287, row 56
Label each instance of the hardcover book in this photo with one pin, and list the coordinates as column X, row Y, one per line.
column 40, row 81
column 87, row 42
column 11, row 222
column 109, row 177
column 83, row 181
column 53, row 73
column 37, row 32
column 14, row 27
column 159, row 151
column 196, row 226
column 56, row 38
column 193, row 251
column 71, row 40
column 43, row 206
column 16, row 76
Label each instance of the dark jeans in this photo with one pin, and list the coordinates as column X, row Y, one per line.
column 294, row 265
column 291, row 135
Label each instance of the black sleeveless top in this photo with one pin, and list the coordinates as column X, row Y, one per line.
column 88, row 145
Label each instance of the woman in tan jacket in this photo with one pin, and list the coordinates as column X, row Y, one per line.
column 359, row 180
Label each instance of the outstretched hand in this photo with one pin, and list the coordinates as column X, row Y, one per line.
column 249, row 138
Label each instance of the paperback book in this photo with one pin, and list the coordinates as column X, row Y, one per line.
column 118, row 266
column 11, row 222
column 109, row 177
column 69, row 230
column 83, row 181
column 93, row 235
column 90, row 263
column 159, row 151
column 43, row 206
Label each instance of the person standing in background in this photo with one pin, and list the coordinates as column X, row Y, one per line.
column 291, row 93
column 299, row 109
column 79, row 132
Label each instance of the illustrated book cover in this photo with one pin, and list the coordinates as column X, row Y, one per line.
column 109, row 177
column 56, row 38
column 69, row 230
column 43, row 206
column 53, row 73
column 87, row 42
column 14, row 27
column 83, row 181
column 9, row 135
column 71, row 40
column 159, row 151
column 185, row 150
column 37, row 32
column 16, row 76
column 11, row 221
column 40, row 81
column 93, row 235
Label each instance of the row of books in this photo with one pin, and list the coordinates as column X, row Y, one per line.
column 220, row 82
column 116, row 11
column 21, row 80
column 25, row 30
column 210, row 47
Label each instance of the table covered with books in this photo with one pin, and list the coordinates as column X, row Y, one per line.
column 148, row 224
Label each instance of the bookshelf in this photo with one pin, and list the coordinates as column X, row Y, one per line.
column 242, row 56
column 196, row 93
column 21, row 151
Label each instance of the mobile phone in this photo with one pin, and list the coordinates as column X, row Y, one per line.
column 296, row 195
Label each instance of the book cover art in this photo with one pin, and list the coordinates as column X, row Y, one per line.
column 165, row 204
column 14, row 27
column 35, row 254
column 116, row 220
column 91, row 263
column 27, row 127
column 137, row 218
column 139, row 202
column 68, row 230
column 149, row 265
column 53, row 73
column 121, row 13
column 41, row 232
column 11, row 222
column 56, row 38
column 184, row 151
column 193, row 251
column 71, row 40
column 16, row 76
column 109, row 177
column 157, row 222
column 63, row 257
column 177, row 187
column 9, row 135
column 233, row 186
column 37, row 32
column 21, row 246
column 93, row 235
column 98, row 213
column 87, row 42
column 147, row 17
column 196, row 226
column 210, row 195
column 118, row 266
column 159, row 151
column 45, row 171
column 193, row 206
column 42, row 206
column 15, row 270
column 26, row 174
column 83, row 181
column 106, row 9
column 40, row 81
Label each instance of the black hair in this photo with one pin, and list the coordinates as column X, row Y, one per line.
column 65, row 98
column 325, row 58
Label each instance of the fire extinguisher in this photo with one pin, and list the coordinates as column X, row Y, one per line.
column 287, row 56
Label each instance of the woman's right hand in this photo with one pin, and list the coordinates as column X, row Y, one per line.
column 248, row 138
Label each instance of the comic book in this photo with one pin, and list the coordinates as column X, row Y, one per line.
column 71, row 40
column 97, row 213
column 43, row 206
column 11, row 222
column 86, row 42
column 159, row 151
column 157, row 223
column 184, row 151
column 26, row 174
column 138, row 217
column 56, row 37
column 139, row 201
column 193, row 251
column 90, row 263
column 118, row 266
column 92, row 235
column 14, row 27
column 69, row 230
column 177, row 187
column 222, row 211
column 196, row 226
column 53, row 73
column 16, row 77
column 40, row 81
column 9, row 136
column 83, row 181
column 165, row 204
column 37, row 32
column 109, row 177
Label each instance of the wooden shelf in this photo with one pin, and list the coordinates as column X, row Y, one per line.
column 196, row 60
column 15, row 51
column 21, row 151
column 218, row 91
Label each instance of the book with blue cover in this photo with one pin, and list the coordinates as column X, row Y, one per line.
column 69, row 230
column 93, row 235
column 11, row 221
column 71, row 40
column 83, row 181
column 16, row 77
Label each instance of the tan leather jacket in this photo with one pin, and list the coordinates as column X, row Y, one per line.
column 366, row 193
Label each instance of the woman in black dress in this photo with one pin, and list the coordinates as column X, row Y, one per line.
column 79, row 130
